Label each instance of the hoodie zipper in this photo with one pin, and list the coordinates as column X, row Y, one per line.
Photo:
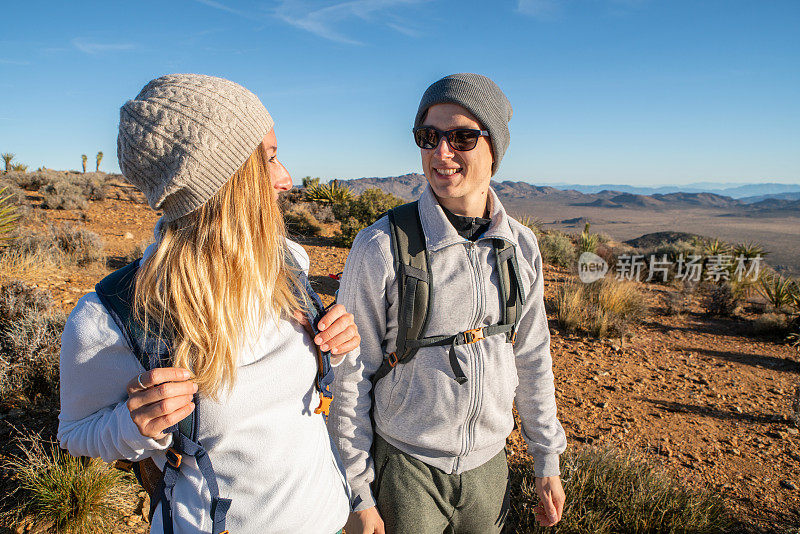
column 476, row 365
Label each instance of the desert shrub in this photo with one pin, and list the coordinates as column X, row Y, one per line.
column 330, row 193
column 30, row 340
column 19, row 167
column 749, row 250
column 771, row 324
column 95, row 186
column 587, row 241
column 719, row 300
column 300, row 220
column 322, row 212
column 557, row 249
column 14, row 193
column 777, row 290
column 361, row 211
column 81, row 246
column 31, row 181
column 610, row 491
column 604, row 308
column 63, row 194
column 55, row 246
column 63, row 493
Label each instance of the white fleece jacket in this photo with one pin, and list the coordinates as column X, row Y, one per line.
column 272, row 455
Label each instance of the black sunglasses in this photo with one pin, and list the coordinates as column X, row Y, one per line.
column 460, row 139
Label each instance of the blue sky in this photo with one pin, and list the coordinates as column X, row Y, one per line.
column 640, row 92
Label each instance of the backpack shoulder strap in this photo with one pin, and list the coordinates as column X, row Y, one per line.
column 512, row 297
column 414, row 276
column 115, row 292
column 314, row 309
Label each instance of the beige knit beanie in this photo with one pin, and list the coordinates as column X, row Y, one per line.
column 183, row 137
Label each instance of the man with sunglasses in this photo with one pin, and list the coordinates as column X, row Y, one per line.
column 424, row 443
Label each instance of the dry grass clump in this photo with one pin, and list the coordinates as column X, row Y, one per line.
column 61, row 493
column 604, row 308
column 30, row 251
column 30, row 342
column 300, row 220
column 613, row 491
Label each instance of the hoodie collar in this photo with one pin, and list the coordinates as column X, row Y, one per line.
column 439, row 233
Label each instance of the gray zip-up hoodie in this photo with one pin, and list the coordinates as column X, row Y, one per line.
column 419, row 407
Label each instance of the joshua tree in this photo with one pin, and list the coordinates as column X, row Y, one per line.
column 7, row 157
column 84, row 159
column 99, row 159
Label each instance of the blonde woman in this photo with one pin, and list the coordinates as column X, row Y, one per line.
column 221, row 286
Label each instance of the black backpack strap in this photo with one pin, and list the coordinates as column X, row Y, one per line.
column 414, row 279
column 512, row 297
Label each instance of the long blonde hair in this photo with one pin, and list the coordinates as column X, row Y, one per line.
column 216, row 275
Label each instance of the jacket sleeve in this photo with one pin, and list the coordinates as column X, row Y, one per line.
column 96, row 366
column 367, row 279
column 535, row 398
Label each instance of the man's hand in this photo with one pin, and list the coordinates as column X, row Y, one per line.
column 159, row 399
column 366, row 521
column 551, row 500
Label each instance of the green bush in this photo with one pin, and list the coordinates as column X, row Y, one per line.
column 612, row 491
column 771, row 324
column 310, row 182
column 358, row 213
column 66, row 494
column 557, row 249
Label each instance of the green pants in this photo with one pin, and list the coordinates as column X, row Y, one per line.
column 413, row 497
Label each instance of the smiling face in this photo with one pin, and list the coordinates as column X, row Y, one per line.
column 459, row 179
column 279, row 176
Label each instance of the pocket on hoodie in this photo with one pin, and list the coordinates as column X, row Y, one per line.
column 428, row 407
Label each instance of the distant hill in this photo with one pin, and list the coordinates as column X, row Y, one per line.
column 733, row 190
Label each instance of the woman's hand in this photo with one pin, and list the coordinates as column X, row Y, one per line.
column 551, row 501
column 160, row 398
column 338, row 331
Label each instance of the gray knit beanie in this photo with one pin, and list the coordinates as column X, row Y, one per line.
column 185, row 135
column 481, row 97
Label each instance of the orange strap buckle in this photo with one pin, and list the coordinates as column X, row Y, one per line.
column 392, row 358
column 473, row 336
column 174, row 458
column 513, row 338
column 324, row 405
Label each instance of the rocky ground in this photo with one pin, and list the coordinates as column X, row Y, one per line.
column 696, row 395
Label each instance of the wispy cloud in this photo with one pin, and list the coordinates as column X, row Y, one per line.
column 223, row 7
column 91, row 48
column 553, row 9
column 541, row 9
column 322, row 21
column 13, row 62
